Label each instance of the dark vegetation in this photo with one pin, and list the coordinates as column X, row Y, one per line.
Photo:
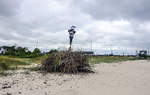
column 21, row 52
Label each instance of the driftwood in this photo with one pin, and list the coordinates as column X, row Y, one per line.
column 66, row 62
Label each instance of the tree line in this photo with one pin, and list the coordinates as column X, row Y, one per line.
column 20, row 51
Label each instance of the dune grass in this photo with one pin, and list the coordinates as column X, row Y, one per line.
column 109, row 59
column 38, row 60
column 13, row 63
column 7, row 62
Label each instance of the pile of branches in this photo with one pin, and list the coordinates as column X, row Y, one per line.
column 66, row 62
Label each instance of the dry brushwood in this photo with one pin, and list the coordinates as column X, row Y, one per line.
column 66, row 62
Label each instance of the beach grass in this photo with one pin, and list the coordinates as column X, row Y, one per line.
column 109, row 59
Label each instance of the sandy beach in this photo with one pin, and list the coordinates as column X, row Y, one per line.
column 123, row 78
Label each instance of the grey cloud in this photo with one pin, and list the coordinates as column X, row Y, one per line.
column 9, row 7
column 116, row 9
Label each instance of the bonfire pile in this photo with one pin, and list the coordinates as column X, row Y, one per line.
column 66, row 62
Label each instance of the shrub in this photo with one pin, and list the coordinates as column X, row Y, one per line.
column 3, row 66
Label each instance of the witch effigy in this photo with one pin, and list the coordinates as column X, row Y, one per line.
column 71, row 35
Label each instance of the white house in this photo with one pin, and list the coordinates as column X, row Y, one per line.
column 3, row 51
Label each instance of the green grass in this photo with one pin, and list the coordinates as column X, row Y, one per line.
column 9, row 63
column 109, row 59
column 38, row 60
column 12, row 63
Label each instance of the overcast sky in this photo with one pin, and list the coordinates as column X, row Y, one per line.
column 109, row 24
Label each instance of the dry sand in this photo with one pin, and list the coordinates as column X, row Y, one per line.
column 124, row 78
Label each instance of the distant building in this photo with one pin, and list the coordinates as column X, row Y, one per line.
column 3, row 50
column 88, row 52
column 26, row 49
column 141, row 54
